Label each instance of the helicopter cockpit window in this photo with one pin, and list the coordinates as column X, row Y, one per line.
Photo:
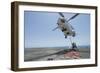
column 62, row 20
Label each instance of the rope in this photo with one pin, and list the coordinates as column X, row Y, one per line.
column 70, row 39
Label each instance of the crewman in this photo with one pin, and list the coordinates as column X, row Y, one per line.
column 74, row 46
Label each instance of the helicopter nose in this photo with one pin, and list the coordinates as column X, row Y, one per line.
column 62, row 20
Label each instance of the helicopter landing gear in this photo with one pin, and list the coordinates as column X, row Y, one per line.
column 65, row 36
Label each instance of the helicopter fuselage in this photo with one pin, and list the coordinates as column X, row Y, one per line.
column 65, row 27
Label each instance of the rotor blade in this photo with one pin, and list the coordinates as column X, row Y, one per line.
column 55, row 28
column 73, row 16
column 61, row 14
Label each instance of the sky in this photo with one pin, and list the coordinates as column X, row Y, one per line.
column 38, row 28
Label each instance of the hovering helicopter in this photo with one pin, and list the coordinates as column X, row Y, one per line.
column 64, row 26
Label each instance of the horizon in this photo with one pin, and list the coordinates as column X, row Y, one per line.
column 59, row 46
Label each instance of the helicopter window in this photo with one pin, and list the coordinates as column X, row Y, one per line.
column 64, row 29
column 62, row 20
column 67, row 32
column 58, row 23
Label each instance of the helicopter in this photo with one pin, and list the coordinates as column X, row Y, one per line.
column 64, row 26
